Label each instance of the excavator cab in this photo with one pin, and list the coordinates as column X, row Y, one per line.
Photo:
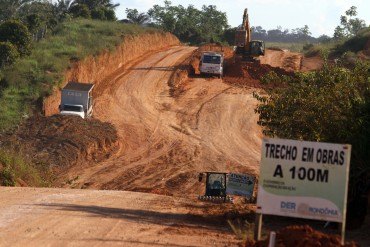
column 257, row 48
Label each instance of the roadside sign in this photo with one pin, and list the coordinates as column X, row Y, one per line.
column 304, row 179
column 240, row 185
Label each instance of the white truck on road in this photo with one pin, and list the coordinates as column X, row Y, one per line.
column 212, row 63
column 77, row 99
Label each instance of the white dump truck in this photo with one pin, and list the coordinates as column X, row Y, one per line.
column 212, row 63
column 77, row 99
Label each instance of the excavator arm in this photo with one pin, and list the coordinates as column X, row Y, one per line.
column 243, row 40
column 246, row 27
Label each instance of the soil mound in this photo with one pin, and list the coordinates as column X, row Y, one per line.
column 248, row 74
column 62, row 141
column 243, row 73
column 294, row 236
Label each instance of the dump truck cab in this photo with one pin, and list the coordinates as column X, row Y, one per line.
column 73, row 110
column 77, row 99
column 212, row 63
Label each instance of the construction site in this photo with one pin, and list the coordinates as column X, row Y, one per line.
column 127, row 173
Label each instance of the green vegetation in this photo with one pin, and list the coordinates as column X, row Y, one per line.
column 354, row 44
column 33, row 77
column 189, row 24
column 14, row 169
column 8, row 54
column 345, row 49
column 17, row 34
column 350, row 25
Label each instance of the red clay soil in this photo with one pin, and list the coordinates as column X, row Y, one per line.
column 62, row 141
column 302, row 236
column 248, row 74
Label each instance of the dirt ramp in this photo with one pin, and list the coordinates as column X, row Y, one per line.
column 287, row 60
column 98, row 69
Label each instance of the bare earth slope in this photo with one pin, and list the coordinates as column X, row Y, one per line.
column 59, row 217
column 166, row 141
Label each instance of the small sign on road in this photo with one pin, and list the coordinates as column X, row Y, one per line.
column 240, row 185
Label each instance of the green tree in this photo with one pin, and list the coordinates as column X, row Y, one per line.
column 213, row 23
column 351, row 25
column 93, row 4
column 110, row 14
column 80, row 10
column 17, row 34
column 33, row 22
column 136, row 17
column 8, row 54
column 98, row 13
column 62, row 8
column 339, row 33
column 190, row 24
column 39, row 16
column 9, row 8
column 164, row 17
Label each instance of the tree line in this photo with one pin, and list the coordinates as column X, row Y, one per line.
column 210, row 24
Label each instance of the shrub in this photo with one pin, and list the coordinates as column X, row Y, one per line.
column 98, row 13
column 17, row 34
column 110, row 15
column 80, row 10
column 7, row 178
column 8, row 54
column 15, row 168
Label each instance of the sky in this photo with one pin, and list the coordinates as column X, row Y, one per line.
column 322, row 16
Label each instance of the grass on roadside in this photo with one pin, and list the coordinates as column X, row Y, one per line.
column 14, row 170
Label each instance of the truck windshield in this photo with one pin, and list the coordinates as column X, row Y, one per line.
column 211, row 59
column 72, row 108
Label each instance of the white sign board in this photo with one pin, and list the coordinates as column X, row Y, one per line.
column 240, row 184
column 304, row 179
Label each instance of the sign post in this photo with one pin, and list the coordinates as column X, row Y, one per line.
column 304, row 180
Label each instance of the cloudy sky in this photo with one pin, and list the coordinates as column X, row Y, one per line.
column 322, row 16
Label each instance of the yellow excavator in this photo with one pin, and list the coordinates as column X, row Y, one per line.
column 244, row 44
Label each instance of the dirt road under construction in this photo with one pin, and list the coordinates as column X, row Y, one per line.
column 166, row 141
column 163, row 142
column 60, row 217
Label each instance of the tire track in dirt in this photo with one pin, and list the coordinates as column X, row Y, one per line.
column 166, row 141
